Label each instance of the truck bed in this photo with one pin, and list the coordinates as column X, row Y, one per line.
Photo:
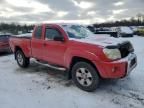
column 22, row 37
column 23, row 42
column 26, row 35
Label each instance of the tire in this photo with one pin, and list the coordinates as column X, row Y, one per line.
column 22, row 61
column 88, row 81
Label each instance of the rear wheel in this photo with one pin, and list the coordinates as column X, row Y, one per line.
column 85, row 76
column 21, row 59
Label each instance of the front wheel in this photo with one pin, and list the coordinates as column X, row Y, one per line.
column 21, row 59
column 85, row 76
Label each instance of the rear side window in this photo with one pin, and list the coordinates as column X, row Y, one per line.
column 38, row 32
column 51, row 33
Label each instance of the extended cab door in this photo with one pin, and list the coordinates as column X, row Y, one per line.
column 37, row 45
column 55, row 46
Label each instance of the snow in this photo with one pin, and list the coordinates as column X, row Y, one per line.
column 25, row 34
column 42, row 87
column 101, row 40
column 126, row 30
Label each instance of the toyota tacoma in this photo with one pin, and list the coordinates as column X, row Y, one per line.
column 86, row 57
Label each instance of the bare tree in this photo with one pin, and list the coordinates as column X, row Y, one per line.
column 140, row 17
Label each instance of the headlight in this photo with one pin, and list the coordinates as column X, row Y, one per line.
column 112, row 53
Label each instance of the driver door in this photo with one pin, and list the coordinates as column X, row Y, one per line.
column 54, row 50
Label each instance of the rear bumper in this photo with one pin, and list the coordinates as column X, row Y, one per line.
column 117, row 69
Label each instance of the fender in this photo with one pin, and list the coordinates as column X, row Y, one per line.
column 70, row 53
column 26, row 50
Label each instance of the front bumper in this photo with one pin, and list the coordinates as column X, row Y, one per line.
column 117, row 69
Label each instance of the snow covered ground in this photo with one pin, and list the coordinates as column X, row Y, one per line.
column 42, row 87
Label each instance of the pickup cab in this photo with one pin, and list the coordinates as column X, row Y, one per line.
column 85, row 57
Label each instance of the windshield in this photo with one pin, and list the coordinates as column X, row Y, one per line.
column 77, row 31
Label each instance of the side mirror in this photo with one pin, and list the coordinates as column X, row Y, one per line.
column 58, row 38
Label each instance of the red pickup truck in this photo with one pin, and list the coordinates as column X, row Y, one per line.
column 85, row 56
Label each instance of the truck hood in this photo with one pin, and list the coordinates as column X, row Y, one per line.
column 99, row 40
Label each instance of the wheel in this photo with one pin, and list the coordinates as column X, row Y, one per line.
column 85, row 76
column 21, row 59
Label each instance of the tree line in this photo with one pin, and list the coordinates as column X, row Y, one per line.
column 134, row 21
column 120, row 23
column 15, row 28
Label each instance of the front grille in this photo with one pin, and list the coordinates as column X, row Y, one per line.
column 126, row 48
